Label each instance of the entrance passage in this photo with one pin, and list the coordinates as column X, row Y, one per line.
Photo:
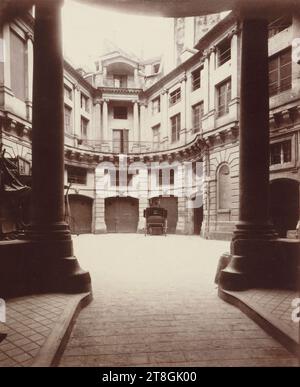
column 171, row 205
column 284, row 205
column 198, row 219
column 81, row 208
column 121, row 214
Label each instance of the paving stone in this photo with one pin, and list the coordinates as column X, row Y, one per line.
column 155, row 304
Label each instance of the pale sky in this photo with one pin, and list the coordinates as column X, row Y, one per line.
column 85, row 29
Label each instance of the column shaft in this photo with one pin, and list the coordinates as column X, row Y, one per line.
column 47, row 120
column 105, row 121
column 254, row 128
column 135, row 121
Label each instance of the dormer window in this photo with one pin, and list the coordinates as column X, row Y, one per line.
column 155, row 68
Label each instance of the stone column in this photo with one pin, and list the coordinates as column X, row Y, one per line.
column 97, row 120
column 212, row 68
column 183, row 110
column 105, row 121
column 28, row 78
column 55, row 269
column 251, row 246
column 141, row 134
column 136, row 78
column 135, row 121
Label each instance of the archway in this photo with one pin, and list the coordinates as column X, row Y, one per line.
column 284, row 205
column 81, row 209
column 121, row 214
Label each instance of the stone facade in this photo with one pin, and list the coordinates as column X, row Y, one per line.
column 128, row 106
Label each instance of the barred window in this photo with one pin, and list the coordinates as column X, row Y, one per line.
column 279, row 24
column 197, row 114
column 224, row 52
column 76, row 175
column 196, row 79
column 68, row 119
column 84, row 128
column 156, row 105
column 175, row 127
column 224, row 97
column 280, row 72
column 281, row 152
column 175, row 96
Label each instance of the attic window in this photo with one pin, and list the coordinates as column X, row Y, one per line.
column 156, row 68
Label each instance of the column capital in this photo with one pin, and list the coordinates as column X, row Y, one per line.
column 235, row 31
column 165, row 91
column 98, row 101
column 212, row 50
column 106, row 100
column 29, row 36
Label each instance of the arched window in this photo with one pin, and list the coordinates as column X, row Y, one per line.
column 224, row 188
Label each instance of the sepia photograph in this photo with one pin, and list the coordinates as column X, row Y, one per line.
column 149, row 186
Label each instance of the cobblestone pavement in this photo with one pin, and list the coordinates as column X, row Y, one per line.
column 275, row 306
column 155, row 304
column 29, row 322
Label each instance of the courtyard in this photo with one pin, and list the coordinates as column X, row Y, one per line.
column 155, row 304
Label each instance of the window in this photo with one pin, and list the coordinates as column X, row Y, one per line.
column 155, row 68
column 224, row 52
column 175, row 96
column 175, row 127
column 166, row 177
column 68, row 119
column 156, row 105
column 197, row 114
column 156, row 137
column 84, row 128
column 280, row 72
column 281, row 152
column 224, row 188
column 84, row 102
column 18, row 65
column 68, row 93
column 196, row 79
column 24, row 166
column 120, row 81
column 120, row 141
column 120, row 112
column 279, row 24
column 77, row 175
column 224, row 97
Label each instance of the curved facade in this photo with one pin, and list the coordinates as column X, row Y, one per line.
column 131, row 111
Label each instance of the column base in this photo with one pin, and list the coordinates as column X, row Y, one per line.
column 262, row 264
column 54, row 266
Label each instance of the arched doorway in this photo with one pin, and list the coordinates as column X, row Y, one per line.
column 170, row 203
column 81, row 210
column 284, row 208
column 121, row 214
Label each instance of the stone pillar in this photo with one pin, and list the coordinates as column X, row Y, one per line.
column 136, row 78
column 97, row 120
column 252, row 242
column 142, row 122
column 29, row 78
column 135, row 121
column 212, row 67
column 105, row 121
column 99, row 214
column 55, row 269
column 183, row 110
